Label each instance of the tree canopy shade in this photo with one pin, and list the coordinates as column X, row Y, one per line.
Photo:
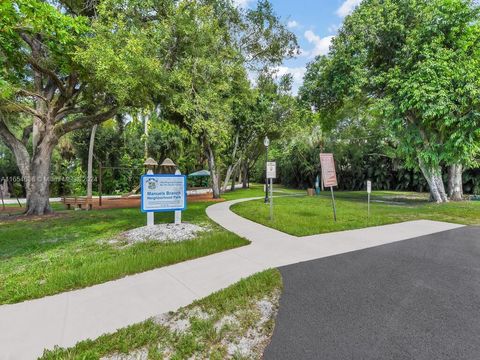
column 41, row 80
column 415, row 65
column 209, row 47
column 67, row 66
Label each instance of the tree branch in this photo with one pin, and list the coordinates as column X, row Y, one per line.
column 26, row 134
column 48, row 72
column 68, row 110
column 16, row 146
column 32, row 94
column 6, row 134
column 16, row 107
column 84, row 122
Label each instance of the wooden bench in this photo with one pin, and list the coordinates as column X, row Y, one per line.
column 81, row 202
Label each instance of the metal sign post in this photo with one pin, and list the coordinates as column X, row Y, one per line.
column 369, row 191
column 329, row 177
column 333, row 204
column 271, row 174
column 266, row 142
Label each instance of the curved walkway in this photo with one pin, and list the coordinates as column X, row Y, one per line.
column 64, row 319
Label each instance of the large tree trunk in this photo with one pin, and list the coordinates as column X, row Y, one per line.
column 90, row 161
column 233, row 164
column 38, row 193
column 433, row 175
column 145, row 119
column 245, row 175
column 230, row 173
column 455, row 183
column 213, row 172
column 235, row 175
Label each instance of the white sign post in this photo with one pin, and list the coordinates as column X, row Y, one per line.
column 178, row 213
column 161, row 193
column 271, row 174
column 150, row 215
column 369, row 191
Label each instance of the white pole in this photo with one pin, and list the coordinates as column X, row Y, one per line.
column 178, row 214
column 368, row 205
column 151, row 214
column 369, row 190
column 271, row 199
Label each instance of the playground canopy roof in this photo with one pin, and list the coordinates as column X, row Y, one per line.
column 204, row 173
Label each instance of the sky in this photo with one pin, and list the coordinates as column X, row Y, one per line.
column 314, row 22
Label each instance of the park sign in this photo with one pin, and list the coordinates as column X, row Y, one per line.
column 271, row 170
column 163, row 192
column 329, row 175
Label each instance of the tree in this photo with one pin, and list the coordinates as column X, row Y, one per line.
column 188, row 53
column 268, row 109
column 209, row 89
column 416, row 63
column 44, row 78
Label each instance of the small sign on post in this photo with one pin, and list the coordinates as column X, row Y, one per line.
column 271, row 174
column 329, row 176
column 163, row 192
column 271, row 170
column 369, row 191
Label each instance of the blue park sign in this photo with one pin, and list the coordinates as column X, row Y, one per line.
column 162, row 192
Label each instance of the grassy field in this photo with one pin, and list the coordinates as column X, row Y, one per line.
column 303, row 216
column 215, row 325
column 70, row 250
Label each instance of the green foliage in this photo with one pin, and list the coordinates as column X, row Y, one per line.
column 415, row 64
column 118, row 149
column 60, row 34
column 361, row 154
column 87, row 62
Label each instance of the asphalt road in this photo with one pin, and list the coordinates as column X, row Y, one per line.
column 414, row 299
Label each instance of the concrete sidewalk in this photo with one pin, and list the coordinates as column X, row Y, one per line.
column 64, row 319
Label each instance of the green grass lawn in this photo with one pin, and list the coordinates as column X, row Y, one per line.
column 204, row 339
column 69, row 250
column 303, row 216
